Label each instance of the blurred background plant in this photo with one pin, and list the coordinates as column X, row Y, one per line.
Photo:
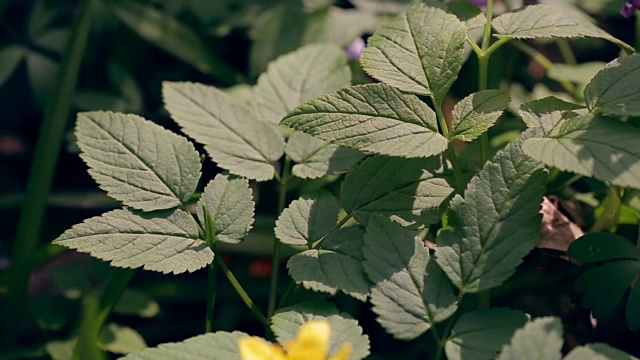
column 60, row 57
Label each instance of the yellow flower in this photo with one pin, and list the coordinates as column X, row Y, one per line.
column 312, row 343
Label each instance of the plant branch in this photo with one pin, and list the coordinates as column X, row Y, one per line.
column 275, row 261
column 210, row 237
column 451, row 152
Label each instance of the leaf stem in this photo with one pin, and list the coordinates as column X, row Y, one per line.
column 566, row 51
column 42, row 171
column 210, row 237
column 337, row 226
column 275, row 261
column 483, row 75
column 451, row 152
column 447, row 330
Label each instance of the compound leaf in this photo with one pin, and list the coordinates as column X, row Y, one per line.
column 410, row 191
column 230, row 202
column 220, row 345
column 336, row 265
column 373, row 118
column 165, row 241
column 294, row 78
column 614, row 90
column 400, row 55
column 476, row 113
column 496, row 223
column 409, row 291
column 136, row 161
column 307, row 219
column 315, row 158
column 481, row 334
column 591, row 145
column 230, row 131
column 538, row 339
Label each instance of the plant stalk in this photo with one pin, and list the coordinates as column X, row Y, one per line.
column 451, row 152
column 275, row 261
column 210, row 237
column 41, row 173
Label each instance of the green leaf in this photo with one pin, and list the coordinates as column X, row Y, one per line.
column 578, row 73
column 374, row 118
column 220, row 345
column 336, row 265
column 615, row 89
column 120, row 339
column 286, row 322
column 481, row 334
column 548, row 21
column 170, row 35
column 231, row 132
column 633, row 308
column 538, row 339
column 409, row 191
column 597, row 351
column 409, row 291
column 598, row 247
column 134, row 302
column 164, row 241
column 546, row 113
column 594, row 146
column 229, row 200
column 299, row 76
column 315, row 158
column 400, row 53
column 136, row 161
column 476, row 113
column 495, row 225
column 10, row 58
column 307, row 219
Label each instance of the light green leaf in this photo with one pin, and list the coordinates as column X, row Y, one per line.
column 549, row 21
column 476, row 113
column 164, row 241
column 120, row 339
column 409, row 191
column 336, row 265
column 61, row 349
column 136, row 161
column 400, row 54
column 315, row 158
column 578, row 73
column 615, row 89
column 230, row 131
column 538, row 339
column 134, row 302
column 597, row 351
column 547, row 113
column 481, row 334
column 229, row 200
column 342, row 26
column 595, row 146
column 495, row 225
column 307, row 219
column 374, row 118
column 10, row 58
column 286, row 322
column 220, row 345
column 299, row 76
column 170, row 35
column 409, row 291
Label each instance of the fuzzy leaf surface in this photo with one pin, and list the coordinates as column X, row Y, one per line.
column 230, row 131
column 615, row 89
column 315, row 158
column 373, row 118
column 136, row 161
column 594, row 146
column 476, row 113
column 546, row 113
column 410, row 191
column 409, row 293
column 229, row 200
column 335, row 266
column 299, row 76
column 307, row 219
column 220, row 345
column 540, row 338
column 496, row 223
column 481, row 334
column 400, row 53
column 164, row 241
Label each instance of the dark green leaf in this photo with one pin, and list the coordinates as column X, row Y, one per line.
column 476, row 113
column 615, row 90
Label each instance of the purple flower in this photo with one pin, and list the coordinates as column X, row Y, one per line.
column 627, row 9
column 355, row 48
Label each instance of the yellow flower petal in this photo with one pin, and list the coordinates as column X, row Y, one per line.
column 343, row 354
column 312, row 342
column 255, row 348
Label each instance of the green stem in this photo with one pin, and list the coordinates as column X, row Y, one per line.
column 240, row 290
column 483, row 75
column 96, row 312
column 447, row 331
column 546, row 64
column 451, row 152
column 275, row 261
column 566, row 51
column 42, row 171
column 637, row 37
column 337, row 226
column 210, row 237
